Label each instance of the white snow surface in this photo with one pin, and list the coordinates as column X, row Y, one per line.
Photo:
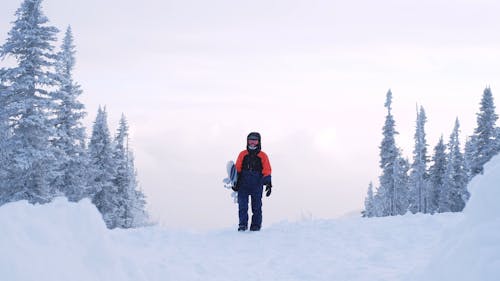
column 69, row 241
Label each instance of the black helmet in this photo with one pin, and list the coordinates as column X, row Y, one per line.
column 254, row 136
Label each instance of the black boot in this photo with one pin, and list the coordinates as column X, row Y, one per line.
column 242, row 228
column 254, row 228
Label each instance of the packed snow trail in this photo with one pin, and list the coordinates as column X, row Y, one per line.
column 69, row 241
column 315, row 250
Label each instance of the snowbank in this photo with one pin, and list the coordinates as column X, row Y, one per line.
column 54, row 242
column 470, row 250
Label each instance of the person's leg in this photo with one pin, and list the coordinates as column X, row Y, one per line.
column 256, row 208
column 243, row 209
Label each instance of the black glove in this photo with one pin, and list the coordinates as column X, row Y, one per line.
column 269, row 187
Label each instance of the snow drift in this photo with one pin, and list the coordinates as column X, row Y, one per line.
column 471, row 249
column 69, row 241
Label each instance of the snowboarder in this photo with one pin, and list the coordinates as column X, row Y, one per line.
column 254, row 172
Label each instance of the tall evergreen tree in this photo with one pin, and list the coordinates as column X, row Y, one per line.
column 378, row 204
column 28, row 104
column 139, row 215
column 102, row 168
column 469, row 155
column 121, row 181
column 131, row 212
column 70, row 133
column 437, row 173
column 418, row 175
column 401, row 182
column 389, row 154
column 4, row 144
column 369, row 210
column 454, row 194
column 484, row 140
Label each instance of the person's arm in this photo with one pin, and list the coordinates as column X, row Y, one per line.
column 266, row 165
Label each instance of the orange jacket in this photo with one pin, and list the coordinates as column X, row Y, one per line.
column 266, row 166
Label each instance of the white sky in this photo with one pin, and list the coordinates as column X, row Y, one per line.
column 195, row 77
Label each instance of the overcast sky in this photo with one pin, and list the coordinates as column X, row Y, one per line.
column 195, row 77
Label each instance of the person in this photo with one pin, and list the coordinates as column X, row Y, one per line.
column 254, row 173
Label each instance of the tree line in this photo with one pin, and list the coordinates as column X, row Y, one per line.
column 431, row 184
column 44, row 152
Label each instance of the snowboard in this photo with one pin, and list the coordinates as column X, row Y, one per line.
column 232, row 177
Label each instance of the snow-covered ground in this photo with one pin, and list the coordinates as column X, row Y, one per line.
column 68, row 241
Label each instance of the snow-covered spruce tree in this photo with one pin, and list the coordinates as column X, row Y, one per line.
column 121, row 178
column 418, row 174
column 437, row 173
column 401, row 182
column 130, row 211
column 454, row 194
column 389, row 154
column 140, row 216
column 102, row 170
column 70, row 133
column 4, row 144
column 469, row 152
column 378, row 208
column 28, row 105
column 484, row 142
column 369, row 210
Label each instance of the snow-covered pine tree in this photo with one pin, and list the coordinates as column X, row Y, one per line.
column 4, row 144
column 121, row 180
column 28, row 104
column 131, row 212
column 401, row 181
column 389, row 154
column 437, row 173
column 122, row 177
column 378, row 208
column 484, row 141
column 369, row 210
column 454, row 194
column 139, row 215
column 418, row 174
column 102, row 170
column 70, row 133
column 469, row 152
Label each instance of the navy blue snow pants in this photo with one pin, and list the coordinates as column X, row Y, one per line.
column 251, row 186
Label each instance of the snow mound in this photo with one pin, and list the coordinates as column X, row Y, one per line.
column 53, row 241
column 470, row 250
column 484, row 204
